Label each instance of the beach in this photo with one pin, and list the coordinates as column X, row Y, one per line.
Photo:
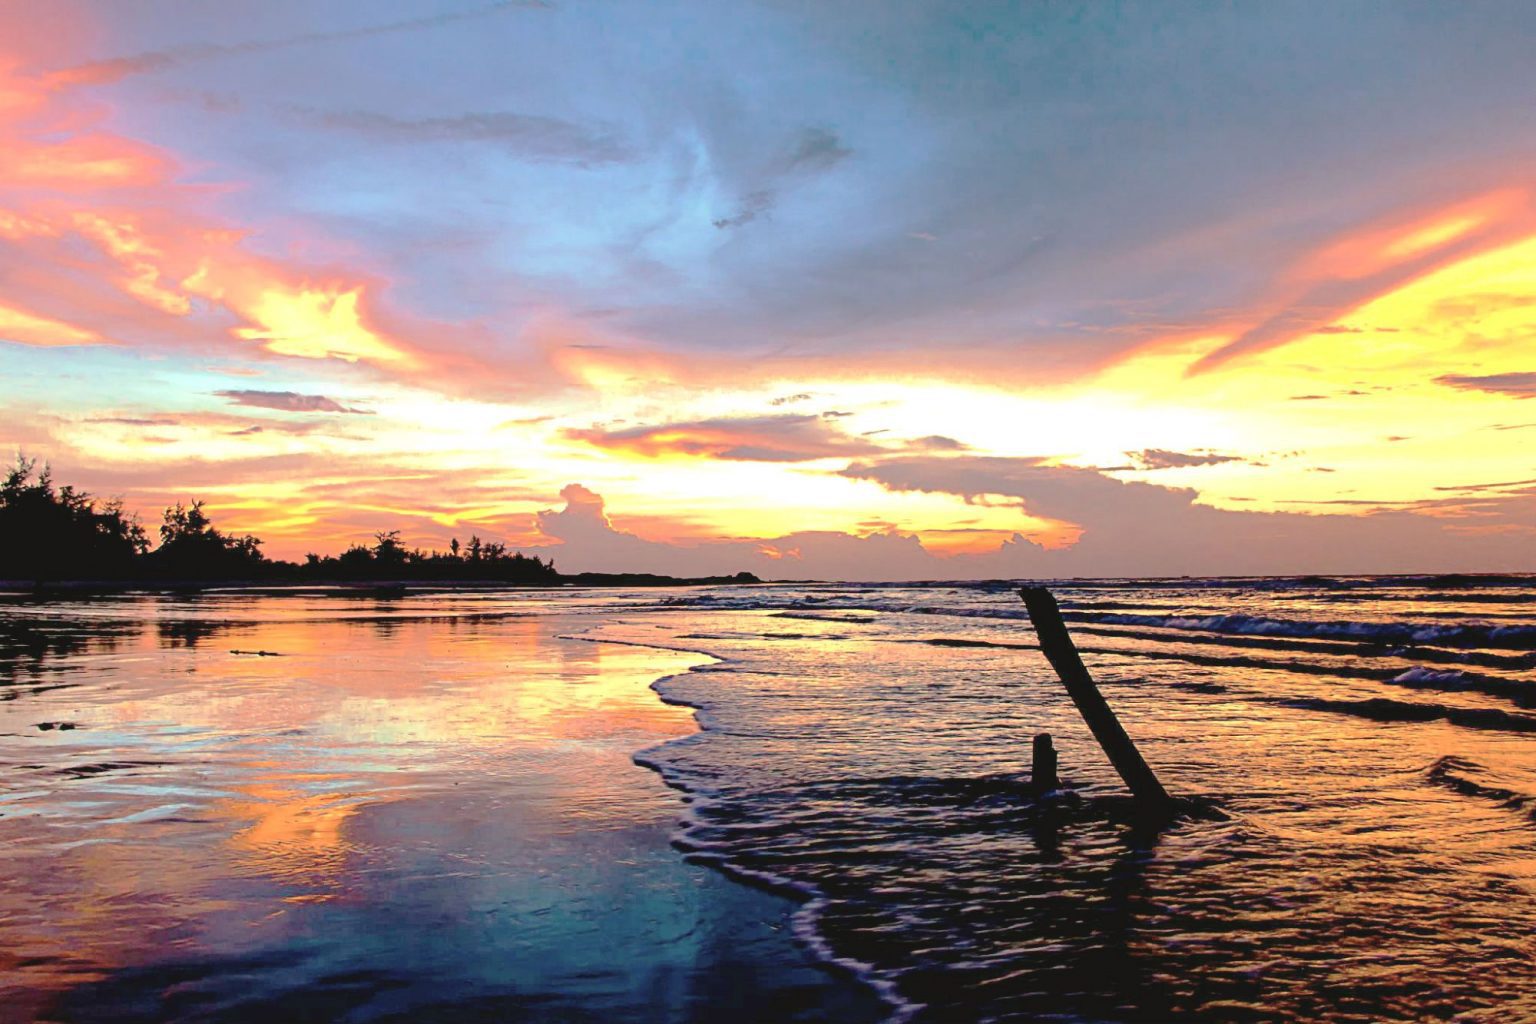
column 786, row 802
column 231, row 807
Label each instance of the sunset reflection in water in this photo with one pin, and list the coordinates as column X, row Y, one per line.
column 437, row 792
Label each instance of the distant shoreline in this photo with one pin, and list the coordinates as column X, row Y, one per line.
column 596, row 580
column 575, row 581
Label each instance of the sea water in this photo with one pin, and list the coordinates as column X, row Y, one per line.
column 1361, row 753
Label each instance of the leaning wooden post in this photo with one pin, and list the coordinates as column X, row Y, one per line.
column 1106, row 728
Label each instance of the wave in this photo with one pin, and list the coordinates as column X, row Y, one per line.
column 1478, row 636
column 1473, row 635
column 1430, row 581
column 862, row 620
column 1338, row 648
column 927, row 868
column 806, row 921
column 1520, row 692
column 1385, row 709
column 1430, row 677
column 1439, row 597
column 1457, row 774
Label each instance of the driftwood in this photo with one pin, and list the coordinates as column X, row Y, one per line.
column 1057, row 645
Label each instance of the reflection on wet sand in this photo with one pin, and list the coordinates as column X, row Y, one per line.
column 437, row 809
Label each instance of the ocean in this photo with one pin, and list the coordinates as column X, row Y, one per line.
column 494, row 805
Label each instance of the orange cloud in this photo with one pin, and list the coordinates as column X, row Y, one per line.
column 138, row 257
column 317, row 323
column 87, row 163
column 30, row 329
column 53, row 146
column 1398, row 240
column 1375, row 260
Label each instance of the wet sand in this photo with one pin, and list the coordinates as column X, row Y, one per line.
column 408, row 810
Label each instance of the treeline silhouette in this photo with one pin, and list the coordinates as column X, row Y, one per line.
column 388, row 559
column 50, row 533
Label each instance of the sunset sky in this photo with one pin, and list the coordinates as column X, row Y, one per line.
column 859, row 290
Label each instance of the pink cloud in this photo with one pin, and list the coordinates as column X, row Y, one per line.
column 105, row 244
column 779, row 438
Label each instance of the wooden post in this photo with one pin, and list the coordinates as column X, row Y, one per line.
column 1062, row 654
column 1042, row 770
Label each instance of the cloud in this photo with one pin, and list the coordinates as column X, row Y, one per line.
column 528, row 136
column 1367, row 262
column 1129, row 528
column 1520, row 385
column 583, row 538
column 113, row 69
column 106, row 245
column 826, row 174
column 935, row 443
column 753, row 206
column 1136, row 528
column 1502, row 485
column 129, row 258
column 1159, row 458
column 780, row 438
column 963, row 208
column 854, row 161
column 817, row 150
column 135, row 421
column 288, row 401
column 24, row 328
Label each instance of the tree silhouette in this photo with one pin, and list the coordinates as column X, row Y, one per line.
column 387, row 550
column 191, row 548
column 62, row 534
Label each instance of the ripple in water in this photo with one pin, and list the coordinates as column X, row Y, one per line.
column 1375, row 860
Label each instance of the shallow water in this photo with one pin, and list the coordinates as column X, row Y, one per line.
column 1368, row 748
column 310, row 808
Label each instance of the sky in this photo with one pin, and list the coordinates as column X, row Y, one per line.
column 864, row 290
